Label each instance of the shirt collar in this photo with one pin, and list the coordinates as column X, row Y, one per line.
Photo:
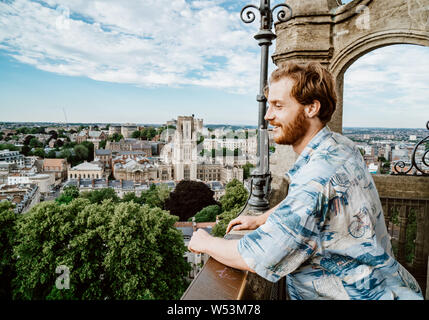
column 305, row 155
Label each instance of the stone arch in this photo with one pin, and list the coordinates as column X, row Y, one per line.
column 336, row 36
column 350, row 54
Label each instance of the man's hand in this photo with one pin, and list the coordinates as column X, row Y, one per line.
column 199, row 241
column 245, row 223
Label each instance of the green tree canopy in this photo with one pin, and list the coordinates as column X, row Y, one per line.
column 207, row 214
column 155, row 196
column 116, row 137
column 7, row 239
column 188, row 198
column 136, row 134
column 232, row 203
column 112, row 251
column 9, row 147
column 68, row 194
column 98, row 196
column 81, row 152
column 246, row 170
column 235, row 195
column 35, row 143
column 52, row 154
column 40, row 152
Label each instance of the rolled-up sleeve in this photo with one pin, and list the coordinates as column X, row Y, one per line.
column 289, row 236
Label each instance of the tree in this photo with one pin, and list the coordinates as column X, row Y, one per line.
column 116, row 137
column 54, row 134
column 90, row 147
column 112, row 251
column 232, row 202
column 23, row 130
column 145, row 258
column 9, row 147
column 188, row 198
column 28, row 139
column 155, row 196
column 35, row 143
column 98, row 196
column 207, row 214
column 136, row 134
column 246, row 170
column 131, row 196
column 58, row 143
column 69, row 193
column 235, row 195
column 7, row 239
column 40, row 152
column 81, row 152
column 66, row 154
column 43, row 237
column 102, row 144
column 52, row 154
column 225, row 217
column 25, row 150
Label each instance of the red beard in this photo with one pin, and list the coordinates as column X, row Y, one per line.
column 292, row 132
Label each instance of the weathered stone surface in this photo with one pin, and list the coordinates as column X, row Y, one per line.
column 402, row 187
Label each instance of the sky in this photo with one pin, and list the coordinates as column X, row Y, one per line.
column 150, row 61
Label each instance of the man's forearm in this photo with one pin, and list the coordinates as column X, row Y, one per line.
column 226, row 252
column 265, row 216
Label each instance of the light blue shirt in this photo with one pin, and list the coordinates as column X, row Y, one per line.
column 329, row 235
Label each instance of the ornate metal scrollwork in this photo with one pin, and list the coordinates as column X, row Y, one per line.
column 281, row 14
column 250, row 15
column 414, row 164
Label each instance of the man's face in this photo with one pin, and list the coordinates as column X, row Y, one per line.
column 285, row 113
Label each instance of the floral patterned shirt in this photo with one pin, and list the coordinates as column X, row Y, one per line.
column 329, row 235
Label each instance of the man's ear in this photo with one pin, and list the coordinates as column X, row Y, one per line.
column 312, row 110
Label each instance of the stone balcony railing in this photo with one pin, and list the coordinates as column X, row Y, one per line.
column 405, row 201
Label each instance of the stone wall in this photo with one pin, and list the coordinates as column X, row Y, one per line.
column 402, row 187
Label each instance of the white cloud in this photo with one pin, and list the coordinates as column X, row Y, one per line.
column 146, row 43
column 385, row 85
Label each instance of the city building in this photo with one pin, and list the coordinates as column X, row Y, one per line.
column 114, row 129
column 130, row 144
column 128, row 129
column 104, row 156
column 87, row 170
column 23, row 196
column 56, row 167
column 12, row 157
column 185, row 155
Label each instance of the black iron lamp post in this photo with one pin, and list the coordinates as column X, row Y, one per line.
column 261, row 176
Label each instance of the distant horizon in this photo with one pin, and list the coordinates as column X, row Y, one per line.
column 161, row 124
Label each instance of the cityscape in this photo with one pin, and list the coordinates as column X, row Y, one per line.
column 40, row 162
column 127, row 126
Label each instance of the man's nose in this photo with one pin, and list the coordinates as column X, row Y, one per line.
column 268, row 115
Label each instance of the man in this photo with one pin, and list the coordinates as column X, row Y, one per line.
column 328, row 235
